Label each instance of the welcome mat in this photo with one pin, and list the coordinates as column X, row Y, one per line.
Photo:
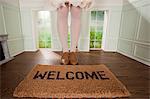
column 81, row 81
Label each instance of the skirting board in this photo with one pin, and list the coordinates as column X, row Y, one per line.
column 6, row 60
column 137, row 59
column 35, row 50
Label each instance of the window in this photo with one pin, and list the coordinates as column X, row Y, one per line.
column 96, row 29
column 69, row 33
column 44, row 30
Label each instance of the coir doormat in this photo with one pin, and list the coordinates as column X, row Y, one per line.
column 81, row 81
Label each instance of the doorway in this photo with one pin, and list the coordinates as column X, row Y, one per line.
column 44, row 29
column 96, row 29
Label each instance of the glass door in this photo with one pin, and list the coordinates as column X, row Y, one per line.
column 44, row 29
column 96, row 29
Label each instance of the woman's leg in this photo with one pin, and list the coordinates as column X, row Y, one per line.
column 62, row 19
column 75, row 27
column 75, row 30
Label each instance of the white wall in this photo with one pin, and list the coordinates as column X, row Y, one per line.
column 114, row 16
column 134, row 38
column 2, row 29
column 133, row 24
column 113, row 9
column 109, row 2
column 110, row 36
column 10, row 24
column 27, row 29
column 11, row 2
column 28, row 11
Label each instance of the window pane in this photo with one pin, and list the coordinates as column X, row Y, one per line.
column 99, row 36
column 96, row 29
column 92, row 35
column 44, row 29
column 41, row 44
column 98, row 44
column 69, row 44
column 91, row 44
column 100, row 29
column 100, row 15
column 47, row 44
column 93, row 15
column 69, row 39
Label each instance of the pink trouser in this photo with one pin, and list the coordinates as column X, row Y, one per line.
column 62, row 19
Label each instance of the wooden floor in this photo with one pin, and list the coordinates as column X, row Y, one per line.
column 134, row 75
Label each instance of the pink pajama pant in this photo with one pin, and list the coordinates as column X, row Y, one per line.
column 62, row 19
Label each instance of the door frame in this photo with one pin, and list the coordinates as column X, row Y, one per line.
column 35, row 29
column 105, row 27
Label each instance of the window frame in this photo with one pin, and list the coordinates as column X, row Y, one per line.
column 97, row 21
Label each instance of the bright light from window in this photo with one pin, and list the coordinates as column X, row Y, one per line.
column 96, row 29
column 44, row 30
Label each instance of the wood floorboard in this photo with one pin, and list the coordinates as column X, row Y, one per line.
column 134, row 75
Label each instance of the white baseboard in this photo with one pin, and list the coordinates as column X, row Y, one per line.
column 6, row 60
column 23, row 51
column 13, row 55
column 109, row 50
column 17, row 53
column 34, row 50
column 135, row 58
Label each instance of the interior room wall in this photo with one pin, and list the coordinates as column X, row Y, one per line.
column 109, row 2
column 114, row 9
column 27, row 29
column 10, row 24
column 134, row 38
column 2, row 30
column 28, row 10
column 127, row 30
column 111, row 32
